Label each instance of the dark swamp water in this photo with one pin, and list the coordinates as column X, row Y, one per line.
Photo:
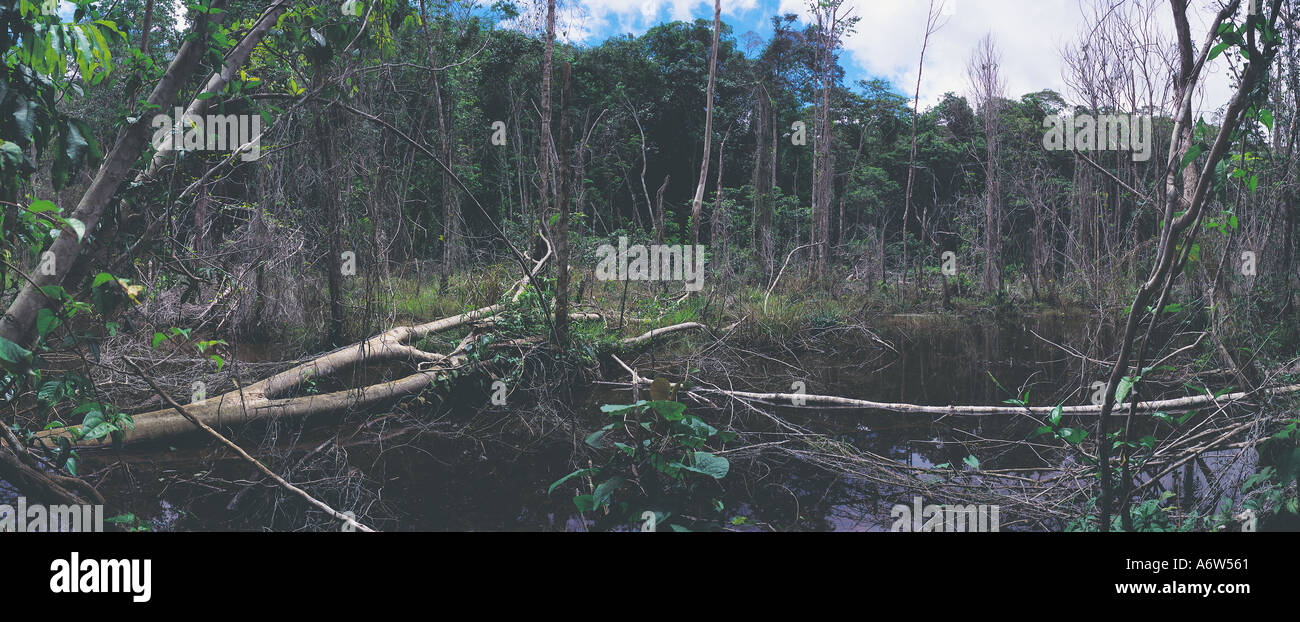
column 460, row 473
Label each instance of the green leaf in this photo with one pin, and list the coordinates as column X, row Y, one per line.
column 158, row 338
column 46, row 321
column 617, row 409
column 102, row 278
column 94, row 417
column 670, row 411
column 1218, row 49
column 706, row 463
column 69, row 155
column 701, row 429
column 1073, row 436
column 11, row 352
column 569, row 477
column 1192, row 153
column 41, row 205
column 594, row 438
column 1125, row 385
column 606, row 489
column 78, row 227
column 97, row 431
column 971, row 461
column 24, row 116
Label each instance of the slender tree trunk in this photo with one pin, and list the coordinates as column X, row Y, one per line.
column 333, row 214
column 761, row 235
column 659, row 211
column 561, row 230
column 717, row 229
column 698, row 201
column 931, row 25
column 146, row 27
column 452, row 231
column 547, row 147
column 823, row 165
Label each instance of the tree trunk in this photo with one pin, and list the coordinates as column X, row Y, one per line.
column 698, row 201
column 146, row 27
column 547, row 146
column 761, row 239
column 561, row 231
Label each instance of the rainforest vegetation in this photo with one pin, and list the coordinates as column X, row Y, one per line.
column 364, row 265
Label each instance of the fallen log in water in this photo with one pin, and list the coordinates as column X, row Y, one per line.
column 1181, row 404
column 807, row 400
column 264, row 399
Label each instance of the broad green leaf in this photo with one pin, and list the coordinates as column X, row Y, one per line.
column 11, row 352
column 568, row 477
column 46, row 321
column 1125, row 385
column 617, row 409
column 41, row 205
column 1074, row 436
column 670, row 411
column 605, row 490
column 78, row 227
column 716, row 467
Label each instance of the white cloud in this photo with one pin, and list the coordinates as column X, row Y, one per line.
column 1029, row 33
column 887, row 41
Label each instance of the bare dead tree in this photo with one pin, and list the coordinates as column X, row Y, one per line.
column 989, row 89
column 698, row 201
column 933, row 22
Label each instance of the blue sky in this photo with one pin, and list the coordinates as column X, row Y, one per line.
column 887, row 42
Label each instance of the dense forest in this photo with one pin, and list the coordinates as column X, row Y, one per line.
column 409, row 265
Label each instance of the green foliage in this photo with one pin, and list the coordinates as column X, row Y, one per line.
column 130, row 522
column 1273, row 493
column 1149, row 515
column 660, row 464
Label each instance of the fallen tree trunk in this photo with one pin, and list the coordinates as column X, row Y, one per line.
column 260, row 400
column 802, row 400
column 265, row 399
column 347, row 519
